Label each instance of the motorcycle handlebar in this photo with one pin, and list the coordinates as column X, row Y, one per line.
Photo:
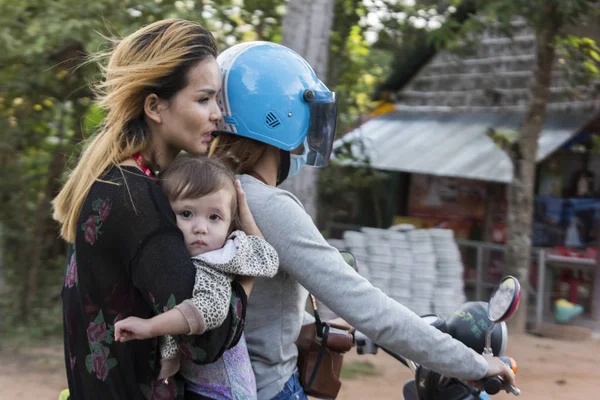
column 494, row 384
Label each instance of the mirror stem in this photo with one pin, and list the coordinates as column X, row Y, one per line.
column 488, row 341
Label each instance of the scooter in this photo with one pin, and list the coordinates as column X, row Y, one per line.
column 430, row 385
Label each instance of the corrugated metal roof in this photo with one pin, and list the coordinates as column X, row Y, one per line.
column 451, row 144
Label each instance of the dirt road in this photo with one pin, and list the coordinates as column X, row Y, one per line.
column 548, row 370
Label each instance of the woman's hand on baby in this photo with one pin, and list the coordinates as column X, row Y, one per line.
column 246, row 219
column 132, row 328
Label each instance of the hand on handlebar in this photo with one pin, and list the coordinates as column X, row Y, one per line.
column 497, row 367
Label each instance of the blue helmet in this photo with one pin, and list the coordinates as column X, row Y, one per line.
column 272, row 95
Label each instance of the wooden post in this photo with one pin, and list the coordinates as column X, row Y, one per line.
column 306, row 29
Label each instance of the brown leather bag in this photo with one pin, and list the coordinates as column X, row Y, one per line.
column 320, row 356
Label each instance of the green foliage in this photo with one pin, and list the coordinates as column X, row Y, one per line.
column 355, row 68
column 479, row 15
column 595, row 145
column 414, row 34
column 46, row 312
column 580, row 56
column 46, row 109
column 503, row 137
column 350, row 176
column 542, row 14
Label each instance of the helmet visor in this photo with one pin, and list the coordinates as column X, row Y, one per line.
column 321, row 129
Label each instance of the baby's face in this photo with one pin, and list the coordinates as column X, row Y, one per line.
column 204, row 221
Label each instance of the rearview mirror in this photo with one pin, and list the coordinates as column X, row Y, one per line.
column 350, row 259
column 505, row 300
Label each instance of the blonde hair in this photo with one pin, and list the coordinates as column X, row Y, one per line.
column 154, row 59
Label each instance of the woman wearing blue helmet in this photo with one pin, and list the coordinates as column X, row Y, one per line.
column 277, row 117
column 274, row 97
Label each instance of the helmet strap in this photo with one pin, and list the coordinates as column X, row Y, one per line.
column 284, row 166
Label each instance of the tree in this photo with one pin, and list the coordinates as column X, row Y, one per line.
column 550, row 20
column 306, row 28
column 45, row 109
column 333, row 30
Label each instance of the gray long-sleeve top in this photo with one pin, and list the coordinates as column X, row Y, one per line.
column 276, row 306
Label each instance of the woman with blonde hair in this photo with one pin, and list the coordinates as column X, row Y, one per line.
column 127, row 256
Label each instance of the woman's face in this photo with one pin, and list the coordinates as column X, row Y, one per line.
column 189, row 118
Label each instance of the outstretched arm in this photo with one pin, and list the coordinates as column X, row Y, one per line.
column 171, row 322
column 306, row 255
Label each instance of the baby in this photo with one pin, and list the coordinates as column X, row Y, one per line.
column 202, row 193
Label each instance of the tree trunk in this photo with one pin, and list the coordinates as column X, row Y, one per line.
column 306, row 28
column 2, row 239
column 521, row 190
column 41, row 223
column 55, row 169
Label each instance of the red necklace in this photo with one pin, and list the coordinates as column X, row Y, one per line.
column 140, row 161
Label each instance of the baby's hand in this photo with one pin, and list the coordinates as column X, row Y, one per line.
column 132, row 328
